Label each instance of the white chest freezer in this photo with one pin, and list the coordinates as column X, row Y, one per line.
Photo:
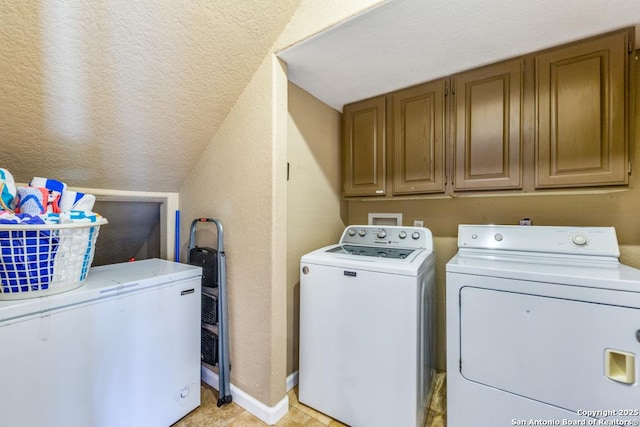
column 122, row 350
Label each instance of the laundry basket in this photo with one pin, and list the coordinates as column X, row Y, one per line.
column 44, row 259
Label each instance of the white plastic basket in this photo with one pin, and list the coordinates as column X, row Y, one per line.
column 38, row 260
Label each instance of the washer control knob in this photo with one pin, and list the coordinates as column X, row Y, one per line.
column 352, row 232
column 381, row 234
column 579, row 240
column 498, row 237
column 415, row 235
column 402, row 235
column 382, row 254
column 362, row 232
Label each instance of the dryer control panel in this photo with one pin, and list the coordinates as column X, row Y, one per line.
column 388, row 236
column 596, row 241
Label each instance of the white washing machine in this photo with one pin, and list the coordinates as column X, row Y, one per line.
column 543, row 325
column 366, row 318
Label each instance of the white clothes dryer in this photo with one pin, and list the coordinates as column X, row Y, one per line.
column 543, row 328
column 366, row 319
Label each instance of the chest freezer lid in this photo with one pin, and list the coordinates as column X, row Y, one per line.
column 103, row 282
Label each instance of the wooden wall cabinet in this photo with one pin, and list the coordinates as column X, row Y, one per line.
column 581, row 115
column 417, row 139
column 487, row 134
column 364, row 148
column 558, row 118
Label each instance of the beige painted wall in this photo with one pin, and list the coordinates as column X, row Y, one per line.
column 241, row 180
column 124, row 94
column 315, row 205
column 620, row 209
column 233, row 182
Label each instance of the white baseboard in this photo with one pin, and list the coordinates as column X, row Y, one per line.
column 292, row 381
column 268, row 414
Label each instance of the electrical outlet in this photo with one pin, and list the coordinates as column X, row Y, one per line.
column 418, row 223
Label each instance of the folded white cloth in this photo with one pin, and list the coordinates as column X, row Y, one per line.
column 51, row 184
column 75, row 200
column 85, row 203
column 67, row 200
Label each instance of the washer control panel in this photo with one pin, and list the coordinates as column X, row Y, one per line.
column 388, row 236
column 600, row 241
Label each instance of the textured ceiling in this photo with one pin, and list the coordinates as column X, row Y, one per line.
column 403, row 42
column 124, row 94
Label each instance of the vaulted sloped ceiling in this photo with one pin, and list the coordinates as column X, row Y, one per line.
column 400, row 43
column 124, row 94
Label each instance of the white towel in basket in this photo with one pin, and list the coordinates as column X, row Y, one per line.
column 49, row 184
column 75, row 200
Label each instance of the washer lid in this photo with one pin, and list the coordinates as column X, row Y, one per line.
column 336, row 256
column 381, row 252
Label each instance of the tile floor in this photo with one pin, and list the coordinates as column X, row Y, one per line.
column 209, row 415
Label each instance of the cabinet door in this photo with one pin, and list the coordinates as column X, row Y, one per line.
column 418, row 139
column 364, row 148
column 581, row 113
column 488, row 128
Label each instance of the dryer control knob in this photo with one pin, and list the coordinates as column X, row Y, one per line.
column 362, row 233
column 498, row 237
column 415, row 235
column 579, row 240
column 381, row 234
column 352, row 232
column 402, row 235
